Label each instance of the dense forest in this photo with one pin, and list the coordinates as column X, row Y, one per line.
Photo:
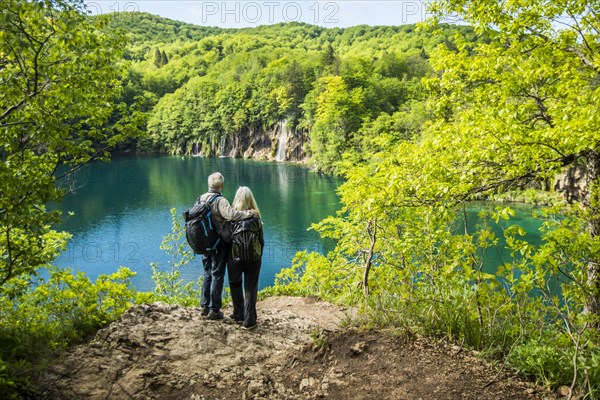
column 419, row 120
column 216, row 91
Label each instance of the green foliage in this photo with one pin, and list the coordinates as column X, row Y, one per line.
column 529, row 196
column 521, row 107
column 232, row 84
column 58, row 110
column 338, row 114
column 320, row 342
column 169, row 285
column 313, row 274
column 145, row 29
column 427, row 278
column 545, row 362
column 513, row 101
column 13, row 381
column 36, row 320
column 511, row 108
column 524, row 101
column 59, row 75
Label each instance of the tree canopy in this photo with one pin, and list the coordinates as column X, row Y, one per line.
column 60, row 78
column 514, row 108
column 524, row 106
column 261, row 76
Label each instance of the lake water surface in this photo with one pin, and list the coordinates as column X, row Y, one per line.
column 122, row 211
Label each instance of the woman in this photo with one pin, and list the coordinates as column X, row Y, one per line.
column 247, row 245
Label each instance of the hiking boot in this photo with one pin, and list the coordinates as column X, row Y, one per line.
column 214, row 315
column 237, row 321
column 204, row 312
column 249, row 327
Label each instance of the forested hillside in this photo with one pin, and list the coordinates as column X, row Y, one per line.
column 232, row 92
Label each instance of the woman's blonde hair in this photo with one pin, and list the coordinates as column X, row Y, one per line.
column 244, row 200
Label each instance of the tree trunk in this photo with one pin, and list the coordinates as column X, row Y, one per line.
column 372, row 232
column 591, row 201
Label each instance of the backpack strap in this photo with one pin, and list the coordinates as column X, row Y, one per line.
column 210, row 209
column 210, row 204
column 213, row 199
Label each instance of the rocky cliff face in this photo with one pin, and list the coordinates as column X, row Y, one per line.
column 266, row 144
column 575, row 181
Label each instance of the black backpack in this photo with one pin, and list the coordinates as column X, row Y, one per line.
column 200, row 229
column 245, row 242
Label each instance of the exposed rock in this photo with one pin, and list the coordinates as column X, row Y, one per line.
column 358, row 348
column 575, row 181
column 564, row 391
column 258, row 143
column 168, row 352
column 254, row 388
column 572, row 183
column 307, row 383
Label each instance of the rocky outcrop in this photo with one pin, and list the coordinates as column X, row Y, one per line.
column 572, row 183
column 576, row 180
column 166, row 352
column 162, row 351
column 261, row 144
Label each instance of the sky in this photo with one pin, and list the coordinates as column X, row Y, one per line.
column 242, row 13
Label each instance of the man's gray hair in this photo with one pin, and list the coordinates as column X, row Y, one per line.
column 215, row 181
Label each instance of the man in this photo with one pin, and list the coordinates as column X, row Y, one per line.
column 215, row 263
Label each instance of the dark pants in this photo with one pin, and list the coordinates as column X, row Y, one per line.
column 214, row 274
column 244, row 303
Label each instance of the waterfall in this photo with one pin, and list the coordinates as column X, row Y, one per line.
column 222, row 149
column 281, row 144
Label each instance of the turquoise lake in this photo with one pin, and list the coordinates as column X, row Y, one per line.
column 122, row 211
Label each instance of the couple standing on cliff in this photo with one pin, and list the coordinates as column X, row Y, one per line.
column 244, row 215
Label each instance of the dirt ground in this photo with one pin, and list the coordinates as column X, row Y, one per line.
column 297, row 352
